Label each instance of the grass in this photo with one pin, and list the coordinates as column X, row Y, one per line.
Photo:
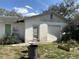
column 45, row 51
column 11, row 52
column 50, row 51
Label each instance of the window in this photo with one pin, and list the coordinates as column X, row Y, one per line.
column 8, row 29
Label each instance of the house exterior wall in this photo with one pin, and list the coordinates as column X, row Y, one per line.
column 29, row 30
column 2, row 30
column 19, row 27
column 46, row 26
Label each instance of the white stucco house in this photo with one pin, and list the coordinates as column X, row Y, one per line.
column 45, row 27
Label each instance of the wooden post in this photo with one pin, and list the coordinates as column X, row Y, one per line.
column 32, row 51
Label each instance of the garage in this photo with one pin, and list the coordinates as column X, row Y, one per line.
column 54, row 30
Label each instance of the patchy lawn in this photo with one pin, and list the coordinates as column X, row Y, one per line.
column 45, row 51
column 11, row 52
column 50, row 51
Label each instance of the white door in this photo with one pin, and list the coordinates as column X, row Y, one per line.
column 43, row 32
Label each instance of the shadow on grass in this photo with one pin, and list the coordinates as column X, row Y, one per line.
column 25, row 53
column 23, row 58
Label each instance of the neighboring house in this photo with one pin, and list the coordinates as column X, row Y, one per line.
column 9, row 24
column 45, row 27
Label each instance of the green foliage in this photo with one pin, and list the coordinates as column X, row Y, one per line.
column 71, row 32
column 4, row 12
column 67, row 9
column 10, row 39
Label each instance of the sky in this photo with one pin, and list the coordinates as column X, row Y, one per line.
column 27, row 7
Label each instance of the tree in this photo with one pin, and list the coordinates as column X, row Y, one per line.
column 4, row 12
column 71, row 31
column 66, row 9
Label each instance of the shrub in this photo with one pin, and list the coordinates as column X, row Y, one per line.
column 10, row 39
column 71, row 32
